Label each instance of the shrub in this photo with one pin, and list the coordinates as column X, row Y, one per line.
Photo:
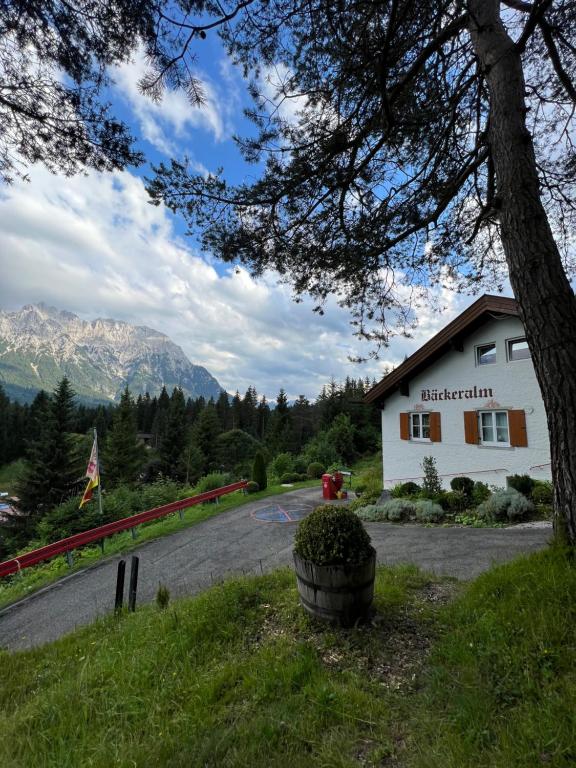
column 542, row 493
column 373, row 513
column 290, row 477
column 431, row 482
column 463, row 484
column 252, row 487
column 405, row 489
column 259, row 471
column 454, row 501
column 281, row 464
column 480, row 493
column 162, row 597
column 399, row 509
column 300, row 465
column 212, row 481
column 332, row 535
column 315, row 470
column 428, row 512
column 506, row 504
column 302, row 476
column 521, row 483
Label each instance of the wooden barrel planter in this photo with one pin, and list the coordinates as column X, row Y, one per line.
column 340, row 594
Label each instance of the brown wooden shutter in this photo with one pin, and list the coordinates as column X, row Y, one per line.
column 517, row 427
column 435, row 431
column 404, row 426
column 471, row 433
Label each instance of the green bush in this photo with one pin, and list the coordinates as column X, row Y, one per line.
column 259, row 471
column 405, row 489
column 521, row 483
column 463, row 484
column 290, row 477
column 454, row 501
column 315, row 470
column 332, row 535
column 212, row 481
column 372, row 513
column 399, row 509
column 508, row 504
column 480, row 493
column 252, row 487
column 281, row 464
column 543, row 492
column 300, row 465
column 162, row 597
column 428, row 512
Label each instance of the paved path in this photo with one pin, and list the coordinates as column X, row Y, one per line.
column 235, row 543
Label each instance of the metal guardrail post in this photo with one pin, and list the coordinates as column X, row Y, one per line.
column 133, row 583
column 119, row 600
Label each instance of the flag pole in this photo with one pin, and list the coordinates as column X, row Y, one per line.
column 99, row 476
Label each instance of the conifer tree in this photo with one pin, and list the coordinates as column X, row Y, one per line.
column 123, row 456
column 205, row 432
column 175, row 437
column 259, row 471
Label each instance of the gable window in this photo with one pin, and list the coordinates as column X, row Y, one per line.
column 494, row 428
column 518, row 349
column 486, row 354
column 420, row 426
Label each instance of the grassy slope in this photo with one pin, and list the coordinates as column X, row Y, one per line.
column 240, row 677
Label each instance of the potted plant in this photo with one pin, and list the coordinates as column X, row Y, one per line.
column 335, row 565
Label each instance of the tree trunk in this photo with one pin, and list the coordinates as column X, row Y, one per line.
column 545, row 299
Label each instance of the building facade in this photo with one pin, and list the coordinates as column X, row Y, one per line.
column 469, row 397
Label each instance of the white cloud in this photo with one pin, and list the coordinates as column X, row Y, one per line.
column 93, row 245
column 167, row 123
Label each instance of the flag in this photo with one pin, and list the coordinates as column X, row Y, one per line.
column 92, row 473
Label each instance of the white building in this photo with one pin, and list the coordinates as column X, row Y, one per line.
column 469, row 398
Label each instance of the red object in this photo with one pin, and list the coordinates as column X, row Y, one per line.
column 331, row 484
column 95, row 534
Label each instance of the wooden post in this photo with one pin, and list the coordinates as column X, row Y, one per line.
column 120, row 586
column 133, row 583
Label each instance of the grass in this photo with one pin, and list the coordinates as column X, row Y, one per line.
column 9, row 474
column 239, row 677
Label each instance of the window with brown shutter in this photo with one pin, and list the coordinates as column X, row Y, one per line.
column 435, row 430
column 517, row 424
column 471, row 434
column 404, row 427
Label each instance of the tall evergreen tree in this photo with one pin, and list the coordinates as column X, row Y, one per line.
column 224, row 411
column 175, row 437
column 123, row 456
column 205, row 432
column 160, row 423
column 4, row 426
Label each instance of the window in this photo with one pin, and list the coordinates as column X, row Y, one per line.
column 420, row 426
column 486, row 354
column 494, row 428
column 518, row 349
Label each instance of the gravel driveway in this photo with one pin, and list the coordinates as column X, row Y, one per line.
column 243, row 540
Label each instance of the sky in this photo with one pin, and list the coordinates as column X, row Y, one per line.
column 93, row 245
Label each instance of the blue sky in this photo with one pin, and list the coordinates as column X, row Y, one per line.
column 94, row 246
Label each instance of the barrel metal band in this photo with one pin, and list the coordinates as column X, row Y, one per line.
column 336, row 590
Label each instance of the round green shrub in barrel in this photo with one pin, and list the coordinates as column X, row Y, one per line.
column 335, row 566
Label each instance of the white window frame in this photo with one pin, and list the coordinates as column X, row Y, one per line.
column 419, row 414
column 493, row 443
column 477, row 349
column 509, row 342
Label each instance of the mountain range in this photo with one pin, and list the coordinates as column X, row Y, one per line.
column 40, row 344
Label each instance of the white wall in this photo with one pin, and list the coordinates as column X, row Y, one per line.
column 513, row 385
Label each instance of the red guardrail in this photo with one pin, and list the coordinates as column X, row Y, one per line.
column 96, row 534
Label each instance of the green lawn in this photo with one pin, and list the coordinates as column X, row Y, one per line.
column 8, row 476
column 240, row 677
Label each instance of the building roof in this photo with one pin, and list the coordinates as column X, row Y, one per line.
column 450, row 337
